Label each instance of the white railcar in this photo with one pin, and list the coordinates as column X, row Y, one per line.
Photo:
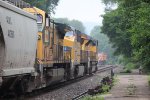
column 18, row 39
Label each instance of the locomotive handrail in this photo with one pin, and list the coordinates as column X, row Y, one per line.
column 18, row 3
column 60, row 53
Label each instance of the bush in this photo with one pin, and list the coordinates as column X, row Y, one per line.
column 126, row 71
column 105, row 88
column 130, row 66
column 115, row 80
column 106, row 84
column 149, row 80
column 93, row 98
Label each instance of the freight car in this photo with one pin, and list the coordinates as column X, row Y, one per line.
column 18, row 41
column 35, row 54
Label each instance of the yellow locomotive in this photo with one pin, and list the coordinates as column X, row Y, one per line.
column 62, row 53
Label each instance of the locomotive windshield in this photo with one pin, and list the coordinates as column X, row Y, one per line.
column 69, row 34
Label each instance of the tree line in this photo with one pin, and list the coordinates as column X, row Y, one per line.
column 104, row 46
column 128, row 28
column 49, row 7
column 46, row 5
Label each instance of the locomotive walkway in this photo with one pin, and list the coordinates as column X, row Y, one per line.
column 130, row 87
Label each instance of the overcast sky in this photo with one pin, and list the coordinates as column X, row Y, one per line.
column 86, row 11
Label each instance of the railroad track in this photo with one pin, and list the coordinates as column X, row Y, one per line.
column 83, row 94
column 52, row 88
column 78, row 97
column 101, row 69
column 63, row 84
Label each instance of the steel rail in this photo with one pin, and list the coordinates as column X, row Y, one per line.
column 54, row 87
column 83, row 94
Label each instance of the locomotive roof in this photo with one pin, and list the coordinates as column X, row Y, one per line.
column 19, row 3
column 85, row 35
column 15, row 9
column 62, row 28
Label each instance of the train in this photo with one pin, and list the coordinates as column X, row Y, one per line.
column 36, row 51
column 102, row 58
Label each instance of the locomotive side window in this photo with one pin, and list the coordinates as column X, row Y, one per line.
column 39, row 18
column 39, row 22
column 46, row 37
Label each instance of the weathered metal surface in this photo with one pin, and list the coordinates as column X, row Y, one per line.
column 19, row 31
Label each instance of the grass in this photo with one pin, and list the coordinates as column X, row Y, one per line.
column 149, row 79
column 105, row 88
column 115, row 80
column 128, row 68
column 93, row 98
column 131, row 89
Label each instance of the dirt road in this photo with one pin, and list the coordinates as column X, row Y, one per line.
column 130, row 87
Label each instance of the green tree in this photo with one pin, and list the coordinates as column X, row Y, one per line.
column 74, row 23
column 77, row 24
column 62, row 20
column 115, row 25
column 128, row 29
column 46, row 5
column 103, row 44
column 140, row 38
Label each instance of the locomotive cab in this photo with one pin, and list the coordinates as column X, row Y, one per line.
column 53, row 58
column 93, row 54
column 72, row 39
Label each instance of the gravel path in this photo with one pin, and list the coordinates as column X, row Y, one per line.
column 72, row 90
column 130, row 87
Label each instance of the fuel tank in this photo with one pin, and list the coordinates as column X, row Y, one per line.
column 18, row 40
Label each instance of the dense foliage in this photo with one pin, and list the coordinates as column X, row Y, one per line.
column 103, row 44
column 46, row 5
column 74, row 23
column 128, row 28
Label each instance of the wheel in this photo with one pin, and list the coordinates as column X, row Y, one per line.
column 95, row 69
column 85, row 69
column 21, row 86
column 76, row 71
column 67, row 74
column 90, row 70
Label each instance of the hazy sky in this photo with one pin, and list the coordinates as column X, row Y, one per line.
column 86, row 11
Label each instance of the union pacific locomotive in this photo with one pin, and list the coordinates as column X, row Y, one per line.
column 35, row 51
